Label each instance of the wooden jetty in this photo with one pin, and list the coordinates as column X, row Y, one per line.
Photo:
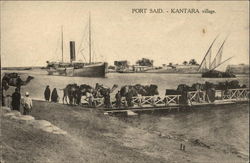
column 196, row 99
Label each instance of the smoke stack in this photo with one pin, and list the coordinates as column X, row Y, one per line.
column 72, row 51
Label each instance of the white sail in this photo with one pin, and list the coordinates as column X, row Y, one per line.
column 218, row 58
column 205, row 64
column 222, row 66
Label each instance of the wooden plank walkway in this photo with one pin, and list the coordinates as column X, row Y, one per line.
column 195, row 99
column 174, row 107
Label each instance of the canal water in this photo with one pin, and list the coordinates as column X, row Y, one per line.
column 224, row 128
column 164, row 81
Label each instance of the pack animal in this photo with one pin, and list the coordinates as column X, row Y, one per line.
column 11, row 79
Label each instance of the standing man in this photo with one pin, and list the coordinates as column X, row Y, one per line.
column 129, row 98
column 4, row 88
column 90, row 98
column 47, row 93
column 27, row 104
column 78, row 95
column 54, row 95
column 107, row 103
column 16, row 97
column 19, row 83
column 3, row 95
column 118, row 98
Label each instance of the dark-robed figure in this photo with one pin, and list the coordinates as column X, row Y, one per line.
column 16, row 97
column 129, row 98
column 54, row 95
column 18, row 83
column 107, row 102
column 118, row 98
column 47, row 93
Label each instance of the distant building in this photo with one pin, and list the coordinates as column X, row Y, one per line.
column 182, row 68
column 124, row 63
column 238, row 69
column 124, row 66
column 138, row 68
column 121, row 65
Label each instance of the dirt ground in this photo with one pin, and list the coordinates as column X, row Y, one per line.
column 95, row 137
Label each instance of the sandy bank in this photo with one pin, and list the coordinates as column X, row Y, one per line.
column 94, row 137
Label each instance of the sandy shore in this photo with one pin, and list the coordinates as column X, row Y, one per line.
column 94, row 137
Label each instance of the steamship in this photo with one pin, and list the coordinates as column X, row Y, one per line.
column 77, row 68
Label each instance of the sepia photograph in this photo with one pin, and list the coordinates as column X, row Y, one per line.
column 124, row 82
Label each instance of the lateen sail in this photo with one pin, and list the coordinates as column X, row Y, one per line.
column 217, row 61
column 217, row 69
column 220, row 65
column 205, row 64
column 217, row 58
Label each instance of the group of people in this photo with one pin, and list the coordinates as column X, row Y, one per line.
column 51, row 96
column 87, row 95
column 15, row 101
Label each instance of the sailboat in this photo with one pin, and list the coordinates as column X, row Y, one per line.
column 77, row 68
column 210, row 69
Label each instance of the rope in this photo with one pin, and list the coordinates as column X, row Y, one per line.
column 81, row 49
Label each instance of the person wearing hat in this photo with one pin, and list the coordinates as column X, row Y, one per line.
column 16, row 97
column 27, row 104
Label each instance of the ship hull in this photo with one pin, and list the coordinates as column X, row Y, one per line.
column 217, row 74
column 93, row 70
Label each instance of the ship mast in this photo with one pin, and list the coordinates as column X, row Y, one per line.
column 62, row 42
column 208, row 52
column 89, row 39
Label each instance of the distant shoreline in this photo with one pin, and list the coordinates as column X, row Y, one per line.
column 234, row 68
column 32, row 68
column 22, row 68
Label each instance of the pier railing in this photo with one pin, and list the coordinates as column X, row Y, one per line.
column 193, row 97
column 235, row 94
column 196, row 96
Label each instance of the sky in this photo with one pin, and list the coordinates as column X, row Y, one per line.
column 31, row 31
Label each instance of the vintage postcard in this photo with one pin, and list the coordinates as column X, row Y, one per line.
column 124, row 81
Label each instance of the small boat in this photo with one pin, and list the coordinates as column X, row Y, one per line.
column 210, row 69
column 78, row 68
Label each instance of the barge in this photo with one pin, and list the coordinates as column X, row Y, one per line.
column 168, row 103
column 195, row 99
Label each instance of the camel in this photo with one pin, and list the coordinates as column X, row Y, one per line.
column 234, row 84
column 11, row 79
column 130, row 91
column 104, row 92
column 69, row 92
column 135, row 90
column 74, row 92
column 5, row 85
column 101, row 91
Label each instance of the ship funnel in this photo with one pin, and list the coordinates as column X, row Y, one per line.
column 72, row 51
